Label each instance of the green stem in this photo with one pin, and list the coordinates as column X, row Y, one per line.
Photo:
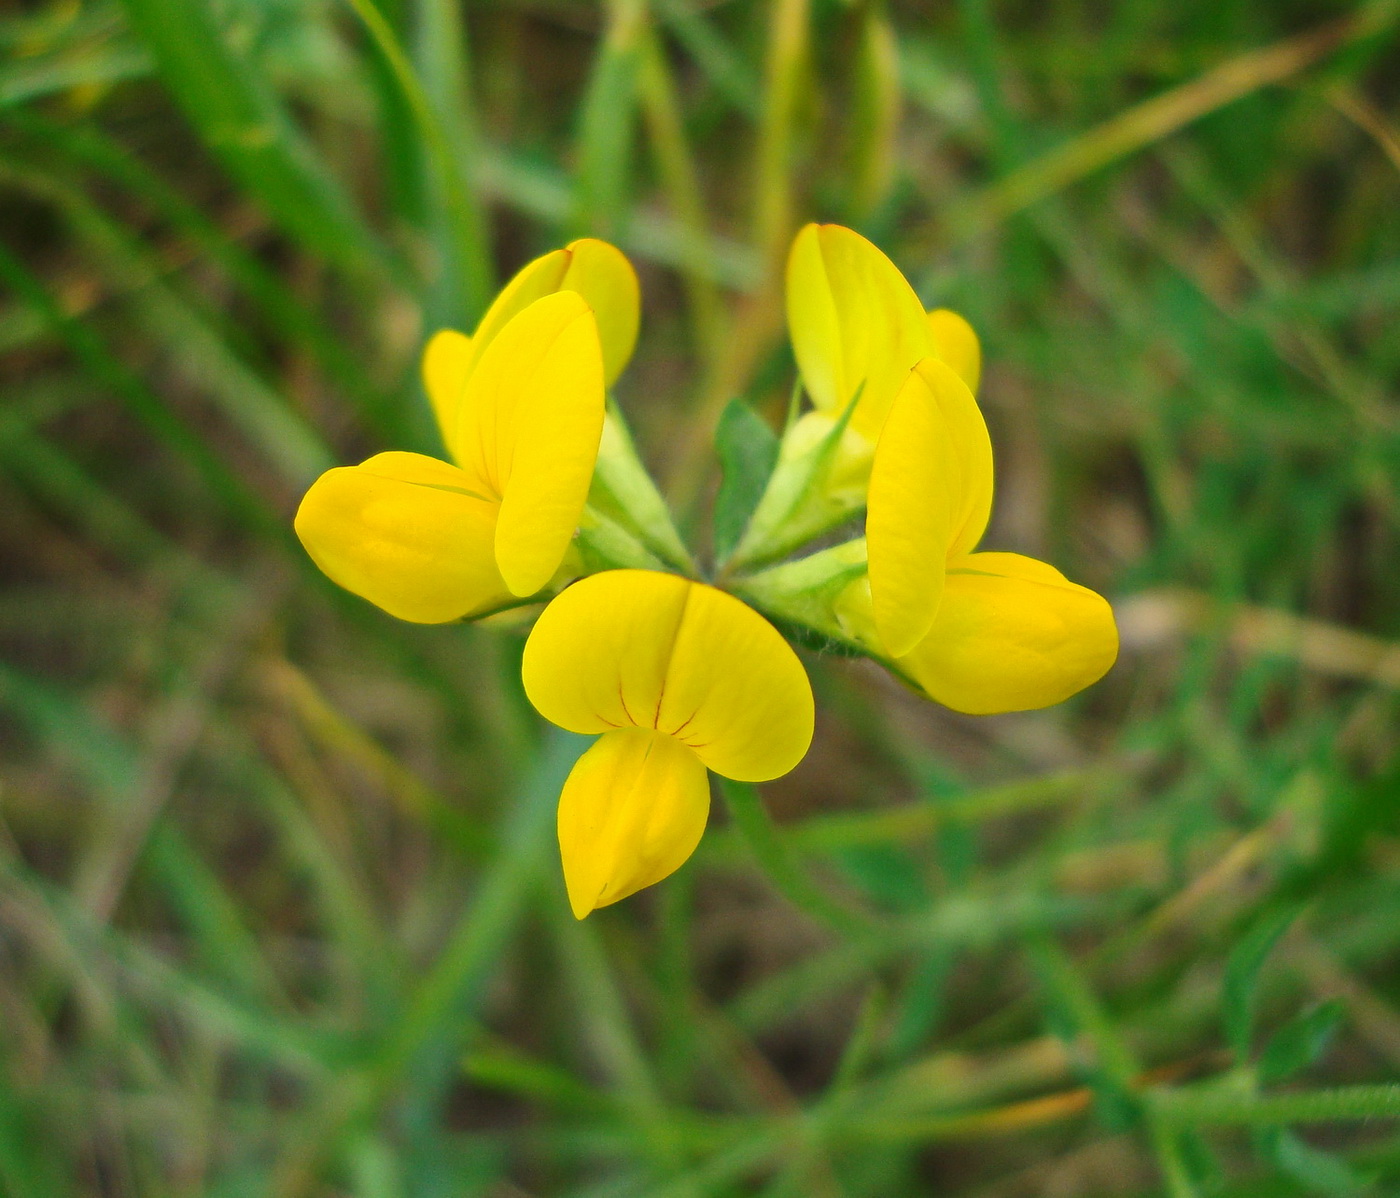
column 460, row 208
column 607, row 123
column 607, row 545
column 787, row 50
column 781, row 867
column 1195, row 1107
column 661, row 108
column 465, row 289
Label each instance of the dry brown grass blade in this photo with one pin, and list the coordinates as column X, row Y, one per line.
column 1156, row 617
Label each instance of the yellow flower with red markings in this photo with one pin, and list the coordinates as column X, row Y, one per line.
column 677, row 677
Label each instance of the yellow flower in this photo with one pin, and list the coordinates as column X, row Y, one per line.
column 857, row 327
column 521, row 408
column 596, row 270
column 677, row 676
column 979, row 632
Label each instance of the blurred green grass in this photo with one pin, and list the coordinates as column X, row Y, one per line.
column 279, row 903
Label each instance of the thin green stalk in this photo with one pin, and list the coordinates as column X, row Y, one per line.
column 913, row 823
column 807, row 1170
column 1171, row 1161
column 788, row 36
column 606, row 1023
column 606, row 125
column 726, row 70
column 281, row 435
column 676, row 164
column 420, row 1052
column 779, row 864
column 88, row 146
column 1143, row 124
column 464, row 289
column 873, row 148
column 86, row 946
column 459, row 202
column 245, row 123
column 1115, row 1060
column 1203, row 1107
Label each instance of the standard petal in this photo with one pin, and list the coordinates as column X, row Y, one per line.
column 528, row 429
column 601, row 273
column 532, row 281
column 446, row 364
column 1012, row 634
column 736, row 693
column 407, row 532
column 955, row 341
column 855, row 323
column 637, row 648
column 595, row 270
column 632, row 811
column 598, row 655
column 911, row 511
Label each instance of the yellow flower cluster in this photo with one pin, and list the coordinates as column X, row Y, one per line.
column 544, row 500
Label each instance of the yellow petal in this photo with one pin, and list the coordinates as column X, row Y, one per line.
column 970, row 452
column 446, row 364
column 1012, row 634
column 528, row 429
column 853, row 320
column 956, row 343
column 595, row 270
column 735, row 691
column 637, row 648
column 532, row 281
column 930, row 496
column 631, row 813
column 602, row 275
column 911, row 509
column 407, row 532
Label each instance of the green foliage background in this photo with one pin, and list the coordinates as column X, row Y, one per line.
column 280, row 908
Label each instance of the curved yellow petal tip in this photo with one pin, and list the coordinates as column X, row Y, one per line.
column 856, row 325
column 601, row 273
column 955, row 341
column 631, row 813
column 447, row 361
column 598, row 272
column 1012, row 634
column 407, row 532
column 643, row 649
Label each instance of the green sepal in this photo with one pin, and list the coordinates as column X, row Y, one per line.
column 623, row 491
column 804, row 593
column 797, row 506
column 748, row 451
column 604, row 544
